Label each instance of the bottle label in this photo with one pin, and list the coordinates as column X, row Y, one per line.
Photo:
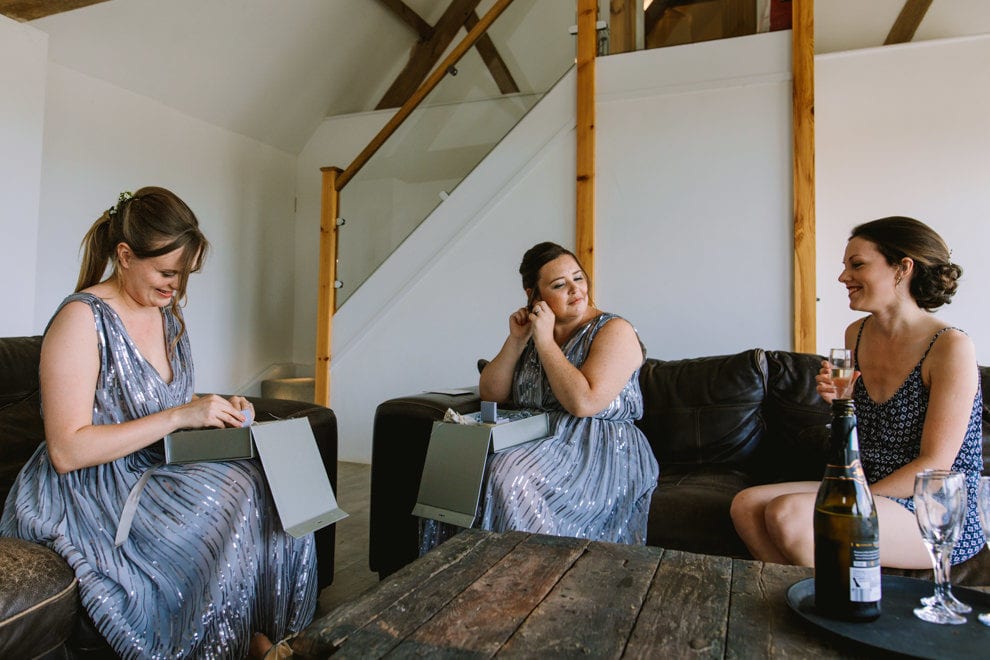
column 851, row 472
column 864, row 574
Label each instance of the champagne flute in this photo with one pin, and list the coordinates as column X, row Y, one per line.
column 983, row 504
column 940, row 507
column 841, row 360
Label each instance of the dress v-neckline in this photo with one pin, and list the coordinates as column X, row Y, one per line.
column 137, row 351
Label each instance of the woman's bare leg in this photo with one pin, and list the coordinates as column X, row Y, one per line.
column 749, row 515
column 900, row 540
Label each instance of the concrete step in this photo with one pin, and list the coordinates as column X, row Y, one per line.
column 294, row 389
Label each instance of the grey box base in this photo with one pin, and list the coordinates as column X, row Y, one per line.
column 444, row 515
column 208, row 445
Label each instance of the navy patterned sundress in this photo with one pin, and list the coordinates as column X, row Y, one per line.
column 890, row 437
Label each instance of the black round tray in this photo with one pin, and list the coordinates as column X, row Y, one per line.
column 898, row 629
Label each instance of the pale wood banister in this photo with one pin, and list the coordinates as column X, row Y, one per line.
column 587, row 48
column 334, row 180
column 327, row 296
column 803, row 73
column 432, row 81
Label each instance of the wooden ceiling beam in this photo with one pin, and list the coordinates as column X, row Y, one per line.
column 912, row 13
column 489, row 54
column 426, row 53
column 28, row 10
column 410, row 18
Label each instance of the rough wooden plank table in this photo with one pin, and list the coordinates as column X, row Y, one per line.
column 482, row 594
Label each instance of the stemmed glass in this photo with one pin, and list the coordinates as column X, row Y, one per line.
column 842, row 370
column 940, row 507
column 983, row 504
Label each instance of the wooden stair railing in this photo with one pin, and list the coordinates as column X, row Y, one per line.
column 334, row 180
column 802, row 51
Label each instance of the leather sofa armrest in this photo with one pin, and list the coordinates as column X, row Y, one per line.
column 400, row 439
column 324, row 424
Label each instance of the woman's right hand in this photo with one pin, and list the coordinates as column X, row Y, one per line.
column 209, row 411
column 830, row 389
column 520, row 327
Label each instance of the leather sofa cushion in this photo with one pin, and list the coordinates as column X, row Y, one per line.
column 39, row 599
column 19, row 357
column 796, row 444
column 704, row 411
column 690, row 510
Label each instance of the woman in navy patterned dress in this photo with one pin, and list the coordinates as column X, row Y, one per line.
column 203, row 567
column 917, row 394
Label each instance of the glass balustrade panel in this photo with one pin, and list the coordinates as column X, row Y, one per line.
column 450, row 132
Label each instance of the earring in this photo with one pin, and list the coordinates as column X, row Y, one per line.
column 897, row 280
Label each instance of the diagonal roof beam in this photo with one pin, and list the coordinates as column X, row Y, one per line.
column 907, row 21
column 410, row 18
column 489, row 54
column 426, row 52
column 28, row 10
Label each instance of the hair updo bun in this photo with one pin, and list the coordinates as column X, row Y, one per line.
column 935, row 278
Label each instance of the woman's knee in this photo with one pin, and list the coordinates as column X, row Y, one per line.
column 745, row 508
column 789, row 521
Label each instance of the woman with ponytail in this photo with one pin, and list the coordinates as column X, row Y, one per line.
column 917, row 393
column 201, row 565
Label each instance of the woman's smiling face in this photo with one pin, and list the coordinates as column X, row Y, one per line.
column 153, row 281
column 870, row 281
column 563, row 286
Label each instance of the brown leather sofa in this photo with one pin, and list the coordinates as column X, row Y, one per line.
column 716, row 424
column 39, row 605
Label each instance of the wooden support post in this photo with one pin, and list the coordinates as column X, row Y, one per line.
column 587, row 47
column 803, row 72
column 327, row 301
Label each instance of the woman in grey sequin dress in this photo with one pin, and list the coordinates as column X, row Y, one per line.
column 917, row 395
column 594, row 478
column 206, row 564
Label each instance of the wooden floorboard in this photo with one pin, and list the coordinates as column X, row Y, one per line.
column 351, row 574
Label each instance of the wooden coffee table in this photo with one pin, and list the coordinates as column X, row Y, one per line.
column 515, row 594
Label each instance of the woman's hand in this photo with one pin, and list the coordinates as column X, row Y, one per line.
column 520, row 328
column 212, row 411
column 542, row 320
column 830, row 388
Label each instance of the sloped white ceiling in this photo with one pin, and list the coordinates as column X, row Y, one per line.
column 273, row 69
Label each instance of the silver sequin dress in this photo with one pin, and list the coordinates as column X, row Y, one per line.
column 206, row 562
column 593, row 479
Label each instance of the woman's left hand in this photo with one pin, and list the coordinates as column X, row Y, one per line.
column 542, row 319
column 240, row 403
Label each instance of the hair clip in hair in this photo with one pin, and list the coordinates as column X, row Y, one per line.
column 123, row 197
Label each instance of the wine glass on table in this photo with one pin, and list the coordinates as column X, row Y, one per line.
column 940, row 507
column 841, row 360
column 983, row 504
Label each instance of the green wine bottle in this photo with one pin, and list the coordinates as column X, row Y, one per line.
column 847, row 536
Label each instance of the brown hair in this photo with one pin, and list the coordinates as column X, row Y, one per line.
column 538, row 256
column 935, row 277
column 152, row 222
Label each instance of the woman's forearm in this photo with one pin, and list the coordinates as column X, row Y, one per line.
column 495, row 383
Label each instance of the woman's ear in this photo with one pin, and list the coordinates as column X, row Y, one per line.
column 906, row 266
column 124, row 255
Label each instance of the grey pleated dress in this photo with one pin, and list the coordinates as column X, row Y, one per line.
column 206, row 562
column 593, row 479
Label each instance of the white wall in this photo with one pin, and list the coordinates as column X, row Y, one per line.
column 23, row 57
column 442, row 301
column 99, row 140
column 905, row 130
